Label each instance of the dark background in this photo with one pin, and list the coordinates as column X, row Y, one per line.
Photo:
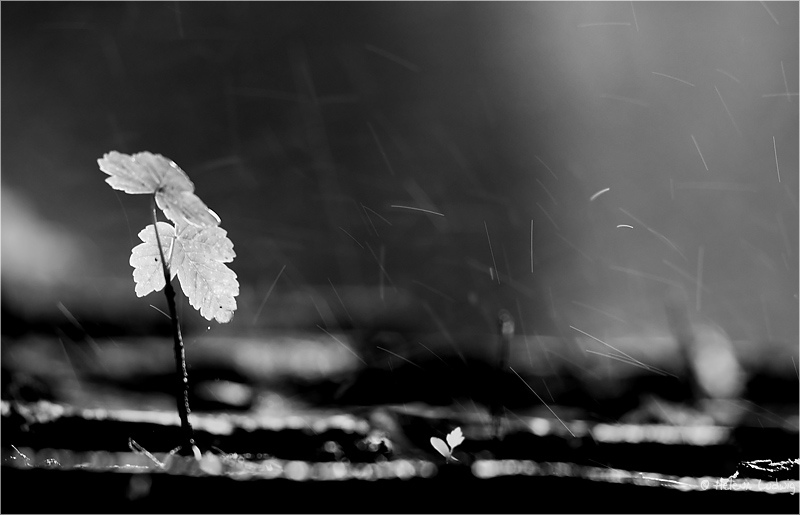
column 289, row 116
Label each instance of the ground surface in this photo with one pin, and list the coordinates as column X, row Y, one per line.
column 275, row 419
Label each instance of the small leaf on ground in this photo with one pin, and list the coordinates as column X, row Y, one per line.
column 440, row 446
column 147, row 173
column 455, row 438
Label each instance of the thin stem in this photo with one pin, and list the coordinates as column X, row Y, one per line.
column 182, row 393
column 505, row 326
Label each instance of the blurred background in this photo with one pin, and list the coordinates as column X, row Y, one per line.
column 621, row 170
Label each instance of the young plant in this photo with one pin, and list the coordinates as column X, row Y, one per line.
column 192, row 246
column 454, row 438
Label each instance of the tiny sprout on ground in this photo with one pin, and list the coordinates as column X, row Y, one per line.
column 454, row 438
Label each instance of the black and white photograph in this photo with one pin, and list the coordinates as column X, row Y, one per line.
column 400, row 257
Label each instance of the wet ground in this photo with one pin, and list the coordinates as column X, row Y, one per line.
column 345, row 460
column 304, row 413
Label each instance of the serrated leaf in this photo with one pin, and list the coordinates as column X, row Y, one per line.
column 147, row 173
column 455, row 438
column 440, row 446
column 197, row 256
column 146, row 260
column 209, row 285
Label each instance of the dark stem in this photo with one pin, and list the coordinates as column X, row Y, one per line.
column 505, row 326
column 182, row 393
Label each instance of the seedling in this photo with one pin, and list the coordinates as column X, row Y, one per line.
column 192, row 246
column 454, row 438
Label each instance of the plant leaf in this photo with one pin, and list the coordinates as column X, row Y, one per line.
column 440, row 446
column 197, row 256
column 146, row 261
column 455, row 438
column 209, row 285
column 147, row 173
